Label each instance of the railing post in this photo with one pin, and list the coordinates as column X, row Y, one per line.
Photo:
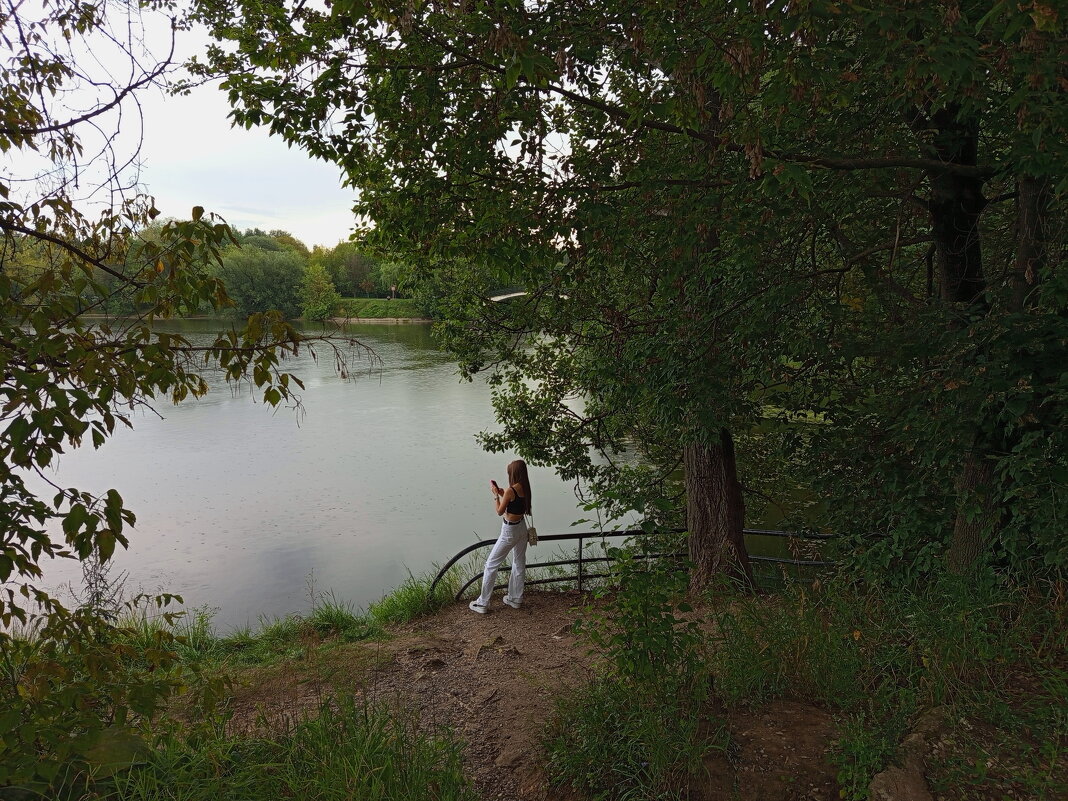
column 580, row 565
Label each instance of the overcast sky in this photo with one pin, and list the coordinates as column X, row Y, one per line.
column 191, row 156
column 189, row 153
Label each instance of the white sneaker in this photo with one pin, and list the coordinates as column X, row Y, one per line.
column 511, row 603
column 475, row 606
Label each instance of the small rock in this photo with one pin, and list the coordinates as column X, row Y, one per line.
column 510, row 756
column 497, row 647
column 900, row 784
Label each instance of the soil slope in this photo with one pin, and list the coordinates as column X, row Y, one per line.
column 492, row 680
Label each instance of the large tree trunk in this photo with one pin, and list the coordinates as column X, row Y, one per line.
column 956, row 205
column 715, row 514
column 976, row 515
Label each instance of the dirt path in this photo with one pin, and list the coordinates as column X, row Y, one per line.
column 492, row 680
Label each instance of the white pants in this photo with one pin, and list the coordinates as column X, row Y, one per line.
column 512, row 536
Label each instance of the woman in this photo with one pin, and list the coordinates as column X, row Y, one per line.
column 512, row 503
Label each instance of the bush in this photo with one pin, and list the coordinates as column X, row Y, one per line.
column 318, row 297
column 259, row 280
column 76, row 697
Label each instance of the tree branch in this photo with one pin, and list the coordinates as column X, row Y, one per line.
column 146, row 80
column 81, row 254
column 844, row 162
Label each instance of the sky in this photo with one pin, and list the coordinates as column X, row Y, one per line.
column 191, row 156
column 188, row 152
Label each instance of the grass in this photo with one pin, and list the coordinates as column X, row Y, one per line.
column 988, row 657
column 981, row 664
column 617, row 739
column 347, row 751
column 330, row 622
column 642, row 728
column 379, row 308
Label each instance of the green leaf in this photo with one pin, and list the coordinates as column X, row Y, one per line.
column 116, row 749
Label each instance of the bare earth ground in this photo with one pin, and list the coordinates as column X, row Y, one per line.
column 492, row 679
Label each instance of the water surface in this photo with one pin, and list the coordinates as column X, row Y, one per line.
column 253, row 511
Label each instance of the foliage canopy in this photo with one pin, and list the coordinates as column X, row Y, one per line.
column 836, row 226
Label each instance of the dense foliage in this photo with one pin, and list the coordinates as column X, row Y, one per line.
column 826, row 236
column 258, row 279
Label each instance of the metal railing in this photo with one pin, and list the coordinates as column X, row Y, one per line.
column 583, row 561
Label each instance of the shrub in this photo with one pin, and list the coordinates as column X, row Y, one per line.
column 319, row 298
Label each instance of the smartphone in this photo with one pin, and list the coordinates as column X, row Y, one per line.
column 494, row 483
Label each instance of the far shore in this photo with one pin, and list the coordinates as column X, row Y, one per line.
column 346, row 320
column 334, row 320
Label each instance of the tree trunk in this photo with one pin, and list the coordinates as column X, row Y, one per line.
column 1032, row 208
column 715, row 514
column 973, row 526
column 976, row 515
column 956, row 205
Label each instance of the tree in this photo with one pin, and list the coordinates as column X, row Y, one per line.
column 289, row 241
column 318, row 297
column 349, row 267
column 71, row 689
column 730, row 217
column 259, row 280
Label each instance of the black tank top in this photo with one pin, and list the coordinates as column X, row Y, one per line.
column 517, row 505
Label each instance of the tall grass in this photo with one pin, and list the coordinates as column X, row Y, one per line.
column 642, row 728
column 882, row 657
column 619, row 739
column 348, row 751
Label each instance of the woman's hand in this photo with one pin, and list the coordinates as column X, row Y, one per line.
column 494, row 488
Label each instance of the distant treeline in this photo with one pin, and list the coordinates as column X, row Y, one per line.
column 263, row 270
column 275, row 270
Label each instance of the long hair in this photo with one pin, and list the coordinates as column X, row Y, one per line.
column 517, row 474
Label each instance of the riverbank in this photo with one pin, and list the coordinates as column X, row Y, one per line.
column 957, row 692
column 378, row 309
column 377, row 320
column 954, row 693
column 494, row 682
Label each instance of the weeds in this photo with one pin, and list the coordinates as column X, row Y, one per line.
column 882, row 657
column 193, row 639
column 348, row 750
column 615, row 739
column 641, row 729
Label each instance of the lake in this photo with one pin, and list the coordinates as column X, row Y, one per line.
column 252, row 511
